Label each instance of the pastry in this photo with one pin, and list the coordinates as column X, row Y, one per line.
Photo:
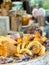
column 7, row 46
column 27, row 51
column 42, row 51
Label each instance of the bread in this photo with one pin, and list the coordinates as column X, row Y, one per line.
column 42, row 51
column 27, row 51
column 23, row 45
column 7, row 46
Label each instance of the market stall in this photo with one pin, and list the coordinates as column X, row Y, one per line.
column 22, row 41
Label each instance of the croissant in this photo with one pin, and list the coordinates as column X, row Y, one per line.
column 19, row 40
column 3, row 50
column 35, row 50
column 27, row 51
column 42, row 51
column 37, row 35
column 25, row 40
column 34, row 43
column 7, row 39
column 23, row 45
column 44, row 38
column 7, row 46
column 18, row 54
column 18, row 48
column 39, row 38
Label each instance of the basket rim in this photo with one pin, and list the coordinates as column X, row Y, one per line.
column 25, row 62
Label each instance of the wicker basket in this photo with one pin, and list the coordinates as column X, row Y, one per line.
column 44, row 60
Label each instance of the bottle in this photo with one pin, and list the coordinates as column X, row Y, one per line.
column 7, row 4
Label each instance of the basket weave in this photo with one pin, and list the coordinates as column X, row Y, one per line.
column 44, row 60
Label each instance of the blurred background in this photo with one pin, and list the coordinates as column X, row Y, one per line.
column 12, row 8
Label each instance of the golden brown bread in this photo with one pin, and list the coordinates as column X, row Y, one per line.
column 36, row 45
column 39, row 38
column 18, row 54
column 33, row 43
column 35, row 50
column 18, row 48
column 42, row 51
column 7, row 46
column 27, row 51
column 3, row 50
column 25, row 40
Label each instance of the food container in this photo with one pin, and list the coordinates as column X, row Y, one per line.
column 43, row 60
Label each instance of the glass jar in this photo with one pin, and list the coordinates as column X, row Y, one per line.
column 25, row 19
